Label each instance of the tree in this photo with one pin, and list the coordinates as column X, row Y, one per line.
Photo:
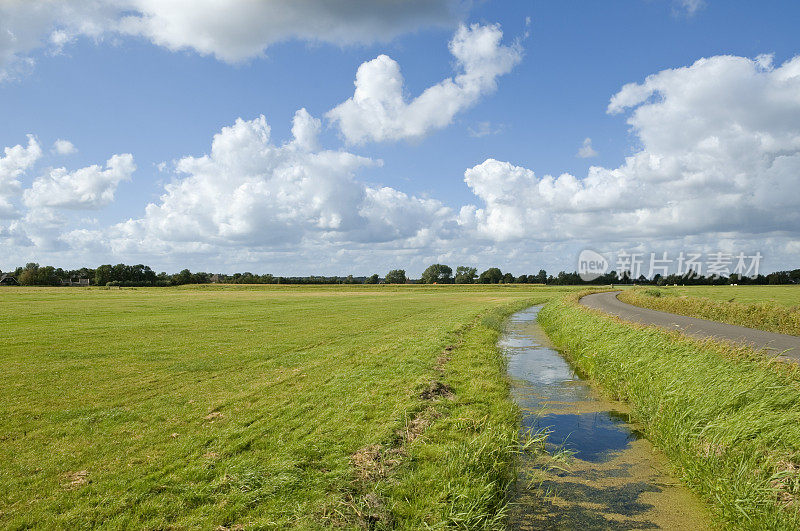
column 508, row 278
column 491, row 276
column 184, row 277
column 372, row 280
column 437, row 274
column 541, row 278
column 465, row 275
column 396, row 276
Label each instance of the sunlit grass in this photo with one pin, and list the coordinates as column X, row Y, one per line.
column 782, row 295
column 728, row 418
column 200, row 407
column 771, row 308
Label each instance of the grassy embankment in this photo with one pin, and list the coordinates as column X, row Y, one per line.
column 256, row 406
column 771, row 308
column 727, row 417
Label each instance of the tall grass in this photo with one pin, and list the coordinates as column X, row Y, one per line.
column 460, row 472
column 769, row 316
column 726, row 417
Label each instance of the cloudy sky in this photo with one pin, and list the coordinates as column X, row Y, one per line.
column 292, row 138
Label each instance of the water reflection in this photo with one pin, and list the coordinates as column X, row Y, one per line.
column 614, row 480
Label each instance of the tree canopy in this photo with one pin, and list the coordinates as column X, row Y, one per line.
column 465, row 275
column 396, row 276
column 437, row 274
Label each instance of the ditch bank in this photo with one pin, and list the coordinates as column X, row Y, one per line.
column 727, row 418
column 613, row 478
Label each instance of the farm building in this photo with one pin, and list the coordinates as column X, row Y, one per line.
column 75, row 281
column 8, row 280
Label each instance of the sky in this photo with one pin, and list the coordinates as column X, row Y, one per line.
column 298, row 138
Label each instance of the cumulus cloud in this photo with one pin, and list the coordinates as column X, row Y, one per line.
column 86, row 188
column 378, row 110
column 586, row 151
column 230, row 30
column 716, row 166
column 251, row 192
column 720, row 155
column 64, row 147
column 15, row 162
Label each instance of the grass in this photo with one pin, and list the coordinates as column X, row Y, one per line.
column 771, row 308
column 265, row 407
column 727, row 418
column 780, row 295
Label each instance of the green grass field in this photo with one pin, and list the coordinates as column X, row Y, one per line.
column 728, row 418
column 256, row 406
column 780, row 295
column 771, row 308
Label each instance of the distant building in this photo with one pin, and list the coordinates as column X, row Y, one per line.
column 8, row 280
column 75, row 281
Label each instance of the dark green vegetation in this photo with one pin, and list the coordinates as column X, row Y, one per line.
column 728, row 418
column 210, row 406
column 777, row 309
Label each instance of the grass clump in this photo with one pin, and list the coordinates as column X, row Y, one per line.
column 769, row 316
column 727, row 418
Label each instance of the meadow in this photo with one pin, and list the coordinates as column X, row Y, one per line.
column 267, row 406
column 727, row 417
column 771, row 308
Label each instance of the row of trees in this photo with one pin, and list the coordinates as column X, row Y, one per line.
column 141, row 275
column 443, row 274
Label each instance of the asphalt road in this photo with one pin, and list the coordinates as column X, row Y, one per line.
column 787, row 346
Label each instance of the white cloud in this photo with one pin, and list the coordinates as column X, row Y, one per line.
column 716, row 166
column 690, row 7
column 251, row 193
column 86, row 188
column 26, row 26
column 64, row 147
column 482, row 129
column 15, row 162
column 378, row 110
column 586, row 151
column 720, row 156
column 231, row 30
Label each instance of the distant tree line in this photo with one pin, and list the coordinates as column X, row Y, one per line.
column 32, row 274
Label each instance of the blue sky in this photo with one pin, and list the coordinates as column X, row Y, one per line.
column 159, row 96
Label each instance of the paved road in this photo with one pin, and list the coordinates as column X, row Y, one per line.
column 608, row 302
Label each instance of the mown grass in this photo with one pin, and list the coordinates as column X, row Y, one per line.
column 726, row 417
column 263, row 407
column 782, row 317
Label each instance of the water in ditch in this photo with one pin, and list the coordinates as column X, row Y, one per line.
column 615, row 479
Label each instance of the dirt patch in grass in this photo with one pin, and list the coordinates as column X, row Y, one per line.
column 77, row 479
column 214, row 415
column 436, row 389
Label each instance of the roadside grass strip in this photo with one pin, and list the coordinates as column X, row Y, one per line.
column 727, row 417
column 769, row 316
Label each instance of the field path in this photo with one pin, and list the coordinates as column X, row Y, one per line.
column 778, row 343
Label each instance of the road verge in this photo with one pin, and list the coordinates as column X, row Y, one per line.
column 727, row 418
